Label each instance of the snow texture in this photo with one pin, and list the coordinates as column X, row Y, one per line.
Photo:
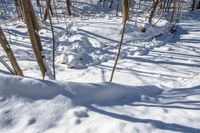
column 155, row 88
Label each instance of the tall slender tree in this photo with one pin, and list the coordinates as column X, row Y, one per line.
column 4, row 43
column 53, row 47
column 32, row 26
column 153, row 10
column 48, row 8
column 125, row 10
column 125, row 19
column 68, row 2
column 193, row 4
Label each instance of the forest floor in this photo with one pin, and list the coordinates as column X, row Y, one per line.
column 155, row 88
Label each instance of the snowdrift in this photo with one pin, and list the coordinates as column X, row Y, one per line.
column 78, row 93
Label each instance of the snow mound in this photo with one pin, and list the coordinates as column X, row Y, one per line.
column 77, row 93
column 79, row 51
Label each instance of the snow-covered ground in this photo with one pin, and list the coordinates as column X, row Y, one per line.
column 32, row 105
column 155, row 88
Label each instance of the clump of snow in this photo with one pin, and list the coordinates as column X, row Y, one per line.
column 74, row 52
column 141, row 51
column 79, row 51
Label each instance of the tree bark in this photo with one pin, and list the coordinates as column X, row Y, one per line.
column 53, row 47
column 7, row 66
column 68, row 2
column 117, row 7
column 125, row 10
column 48, row 7
column 155, row 4
column 39, row 6
column 173, row 16
column 119, row 51
column 4, row 43
column 33, row 33
column 193, row 4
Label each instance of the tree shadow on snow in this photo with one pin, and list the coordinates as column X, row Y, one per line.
column 174, row 96
column 108, row 94
column 156, row 123
column 5, row 72
column 183, row 30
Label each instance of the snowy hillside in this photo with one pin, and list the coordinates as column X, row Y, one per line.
column 155, row 88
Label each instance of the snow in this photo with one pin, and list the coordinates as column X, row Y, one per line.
column 81, row 45
column 156, row 84
column 32, row 105
column 101, row 93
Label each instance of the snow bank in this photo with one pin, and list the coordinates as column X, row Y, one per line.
column 83, row 94
column 79, row 51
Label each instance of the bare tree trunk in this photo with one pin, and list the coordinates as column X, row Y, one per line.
column 34, row 36
column 119, row 51
column 48, row 7
column 173, row 16
column 7, row 66
column 46, row 14
column 125, row 18
column 111, row 3
column 11, row 57
column 117, row 7
column 68, row 2
column 125, row 10
column 53, row 47
column 168, row 6
column 39, row 6
column 193, row 4
column 155, row 4
column 32, row 15
column 19, row 9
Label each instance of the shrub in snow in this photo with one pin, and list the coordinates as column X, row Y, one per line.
column 74, row 51
column 79, row 51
